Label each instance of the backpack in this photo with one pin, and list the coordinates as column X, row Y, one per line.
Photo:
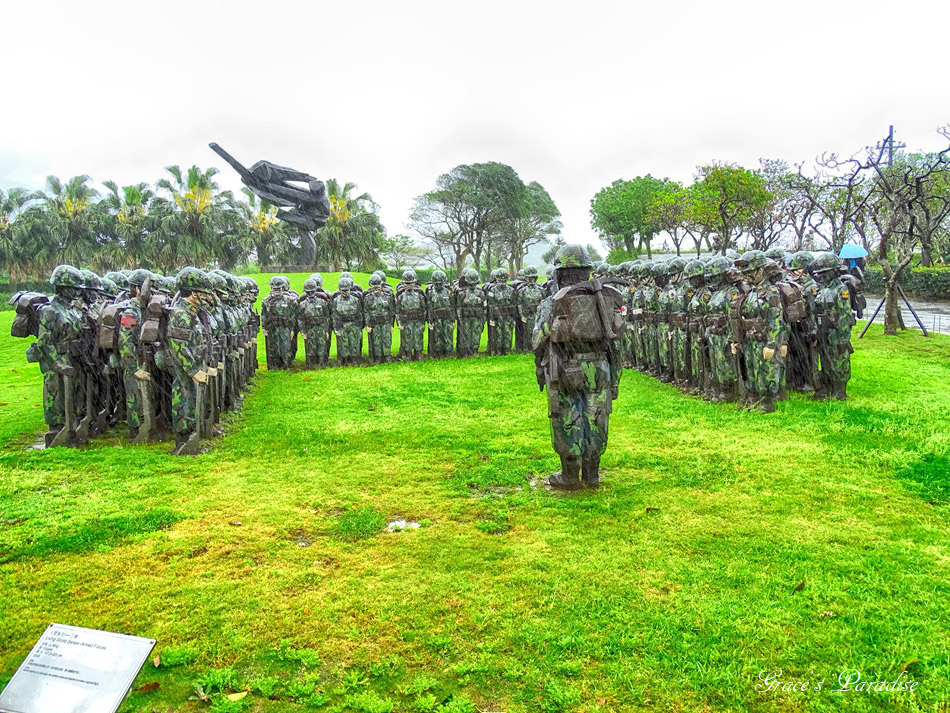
column 27, row 320
column 576, row 313
column 109, row 327
column 793, row 305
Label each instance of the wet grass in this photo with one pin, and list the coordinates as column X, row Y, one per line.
column 722, row 544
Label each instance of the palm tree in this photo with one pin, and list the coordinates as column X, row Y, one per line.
column 194, row 220
column 127, row 225
column 353, row 233
column 15, row 253
column 265, row 232
column 65, row 225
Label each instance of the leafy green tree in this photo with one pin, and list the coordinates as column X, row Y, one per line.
column 126, row 226
column 354, row 233
column 16, row 254
column 667, row 210
column 265, row 233
column 64, row 222
column 729, row 198
column 619, row 213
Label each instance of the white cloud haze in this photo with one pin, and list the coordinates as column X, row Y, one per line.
column 390, row 95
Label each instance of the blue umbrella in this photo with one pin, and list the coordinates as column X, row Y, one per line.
column 852, row 251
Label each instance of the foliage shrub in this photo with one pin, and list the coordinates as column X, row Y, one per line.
column 924, row 283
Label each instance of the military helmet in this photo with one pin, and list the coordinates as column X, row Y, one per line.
column 601, row 268
column 528, row 271
column 90, row 280
column 218, row 283
column 660, row 269
column 409, row 276
column 317, row 279
column 645, row 269
column 752, row 260
column 824, row 261
column 694, row 268
column 310, row 285
column 375, row 280
column 138, row 277
column 776, row 253
column 109, row 287
column 65, row 276
column 345, row 284
column 192, row 279
column 121, row 281
column 718, row 266
column 500, row 274
column 438, row 277
column 801, row 260
column 731, row 254
column 617, row 270
column 571, row 255
column 276, row 282
column 470, row 275
column 676, row 265
column 346, row 273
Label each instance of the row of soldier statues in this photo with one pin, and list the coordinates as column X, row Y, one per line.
column 742, row 327
column 464, row 308
column 164, row 355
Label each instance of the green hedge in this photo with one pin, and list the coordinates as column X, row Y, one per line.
column 923, row 283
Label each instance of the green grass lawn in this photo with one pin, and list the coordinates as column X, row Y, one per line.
column 722, row 544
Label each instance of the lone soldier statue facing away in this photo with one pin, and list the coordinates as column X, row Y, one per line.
column 577, row 361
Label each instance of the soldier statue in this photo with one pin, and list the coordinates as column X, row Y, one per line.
column 529, row 297
column 379, row 313
column 577, row 361
column 279, row 320
column 313, row 310
column 440, row 302
column 833, row 305
column 347, row 312
column 411, row 317
column 502, row 310
column 802, row 371
column 470, row 303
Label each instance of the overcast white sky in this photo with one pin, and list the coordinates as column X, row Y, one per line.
column 392, row 94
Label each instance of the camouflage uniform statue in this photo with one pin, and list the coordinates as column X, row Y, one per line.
column 347, row 311
column 738, row 290
column 645, row 356
column 313, row 310
column 576, row 360
column 60, row 329
column 802, row 364
column 699, row 296
column 659, row 305
column 411, row 317
column 135, row 374
column 835, row 320
column 184, row 356
column 380, row 313
column 676, row 300
column 470, row 302
column 718, row 383
column 279, row 320
column 765, row 331
column 628, row 354
column 529, row 297
column 502, row 311
column 440, row 301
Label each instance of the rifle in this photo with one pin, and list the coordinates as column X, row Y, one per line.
column 63, row 437
column 102, row 417
column 190, row 447
column 82, row 430
column 145, row 392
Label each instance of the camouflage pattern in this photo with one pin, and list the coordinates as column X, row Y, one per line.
column 279, row 317
column 470, row 303
column 411, row 317
column 501, row 303
column 660, row 304
column 835, row 321
column 314, row 322
column 184, row 359
column 440, row 303
column 764, row 333
column 346, row 309
column 59, row 334
column 380, row 312
column 699, row 295
column 529, row 296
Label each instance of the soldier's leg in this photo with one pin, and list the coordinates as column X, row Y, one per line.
column 133, row 412
column 184, row 398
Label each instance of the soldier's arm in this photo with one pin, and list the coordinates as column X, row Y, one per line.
column 179, row 335
column 46, row 343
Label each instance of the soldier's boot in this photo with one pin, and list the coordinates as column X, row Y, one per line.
column 133, row 434
column 590, row 471
column 841, row 391
column 767, row 405
column 569, row 477
column 51, row 435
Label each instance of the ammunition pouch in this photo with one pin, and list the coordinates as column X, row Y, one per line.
column 717, row 324
column 349, row 318
column 662, row 318
column 32, row 354
column 649, row 316
column 443, row 313
column 412, row 315
column 498, row 311
column 161, row 360
column 570, row 376
column 179, row 334
column 754, row 329
column 280, row 322
column 696, row 326
column 680, row 320
column 471, row 312
column 376, row 319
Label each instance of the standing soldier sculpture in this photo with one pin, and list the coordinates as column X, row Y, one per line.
column 440, row 302
column 313, row 310
column 576, row 360
column 347, row 312
column 279, row 320
column 411, row 316
column 470, row 303
column 802, row 371
column 835, row 319
column 529, row 297
column 380, row 312
column 502, row 312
